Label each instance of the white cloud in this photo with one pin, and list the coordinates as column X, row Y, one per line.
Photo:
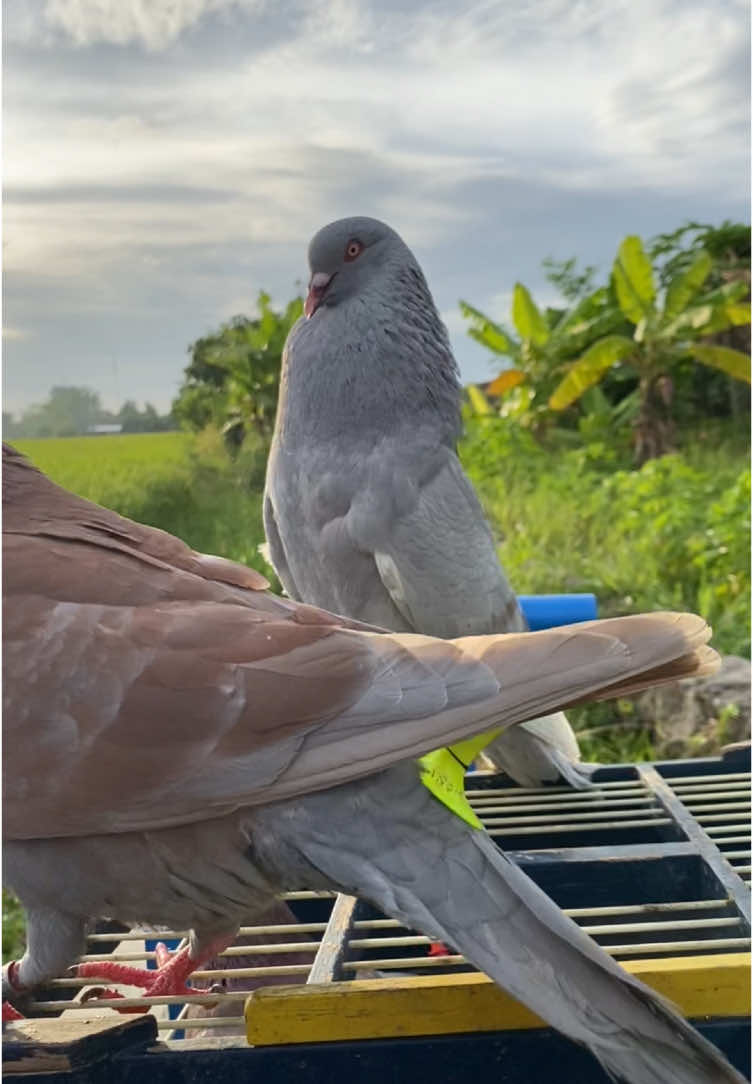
column 152, row 23
column 229, row 130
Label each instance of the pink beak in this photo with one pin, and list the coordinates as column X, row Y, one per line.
column 320, row 280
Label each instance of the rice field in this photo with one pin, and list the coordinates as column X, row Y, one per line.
column 182, row 483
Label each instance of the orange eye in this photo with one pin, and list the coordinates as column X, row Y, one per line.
column 353, row 250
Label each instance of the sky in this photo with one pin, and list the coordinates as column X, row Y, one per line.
column 164, row 160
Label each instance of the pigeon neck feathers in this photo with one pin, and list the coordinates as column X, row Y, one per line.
column 378, row 361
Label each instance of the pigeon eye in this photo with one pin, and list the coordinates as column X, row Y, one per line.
column 353, row 249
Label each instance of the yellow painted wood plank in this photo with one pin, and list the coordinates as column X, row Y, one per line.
column 701, row 986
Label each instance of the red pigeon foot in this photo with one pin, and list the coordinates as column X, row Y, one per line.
column 438, row 948
column 9, row 1013
column 170, row 977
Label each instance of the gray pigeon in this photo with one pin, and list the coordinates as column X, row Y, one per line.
column 367, row 510
column 180, row 746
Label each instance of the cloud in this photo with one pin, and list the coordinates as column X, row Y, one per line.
column 153, row 23
column 165, row 159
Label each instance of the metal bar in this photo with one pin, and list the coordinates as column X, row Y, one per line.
column 698, row 790
column 143, row 1002
column 673, row 924
column 678, row 946
column 327, row 966
column 676, row 781
column 648, row 908
column 306, row 895
column 583, row 796
column 583, row 912
column 538, row 792
column 195, row 1023
column 233, row 950
column 717, row 807
column 602, row 826
column 227, row 972
column 171, row 935
column 572, row 818
column 552, row 810
column 730, row 818
column 391, row 963
column 593, row 931
column 624, row 852
column 724, row 872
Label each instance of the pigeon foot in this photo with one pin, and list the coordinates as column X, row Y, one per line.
column 169, row 979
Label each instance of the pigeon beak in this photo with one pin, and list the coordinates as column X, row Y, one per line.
column 320, row 280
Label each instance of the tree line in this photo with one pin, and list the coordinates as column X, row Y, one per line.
column 76, row 411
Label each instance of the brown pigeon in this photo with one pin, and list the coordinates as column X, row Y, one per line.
column 181, row 746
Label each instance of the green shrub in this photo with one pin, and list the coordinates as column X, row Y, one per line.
column 674, row 534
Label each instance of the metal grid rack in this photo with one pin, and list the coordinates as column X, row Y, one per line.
column 652, row 863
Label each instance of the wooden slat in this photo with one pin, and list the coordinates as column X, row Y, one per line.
column 327, row 965
column 34, row 1046
column 715, row 986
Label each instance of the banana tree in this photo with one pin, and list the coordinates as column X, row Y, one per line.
column 234, row 373
column 666, row 331
column 540, row 350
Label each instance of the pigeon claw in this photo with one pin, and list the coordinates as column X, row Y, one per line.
column 168, row 980
column 438, row 948
column 10, row 1013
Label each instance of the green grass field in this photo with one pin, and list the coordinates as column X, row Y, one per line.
column 111, row 468
column 182, row 483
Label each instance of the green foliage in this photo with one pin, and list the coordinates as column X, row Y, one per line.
column 234, row 374
column 529, row 323
column 634, row 280
column 683, row 286
column 674, row 534
column 541, row 351
column 597, row 360
column 14, row 928
column 664, row 335
column 571, row 283
column 721, row 357
column 680, row 300
column 728, row 245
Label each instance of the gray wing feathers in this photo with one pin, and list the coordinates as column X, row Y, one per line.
column 407, row 854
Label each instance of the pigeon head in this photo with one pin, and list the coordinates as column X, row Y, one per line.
column 345, row 256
